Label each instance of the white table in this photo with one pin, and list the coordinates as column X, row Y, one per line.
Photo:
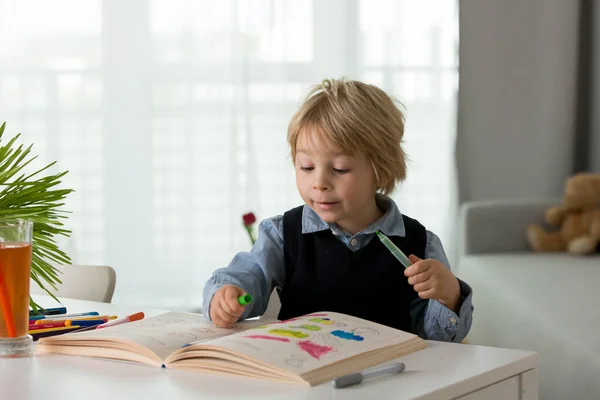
column 441, row 371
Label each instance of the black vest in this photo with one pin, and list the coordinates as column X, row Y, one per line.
column 322, row 274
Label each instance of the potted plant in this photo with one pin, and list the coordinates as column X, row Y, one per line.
column 37, row 198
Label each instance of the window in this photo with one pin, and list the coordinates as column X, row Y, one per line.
column 171, row 117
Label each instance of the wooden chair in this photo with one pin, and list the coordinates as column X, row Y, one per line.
column 83, row 282
column 273, row 307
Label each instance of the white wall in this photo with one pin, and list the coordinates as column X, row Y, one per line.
column 517, row 81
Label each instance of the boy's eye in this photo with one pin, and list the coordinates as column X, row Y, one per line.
column 340, row 171
column 307, row 169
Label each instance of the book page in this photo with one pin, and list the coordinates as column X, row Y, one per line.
column 310, row 342
column 162, row 334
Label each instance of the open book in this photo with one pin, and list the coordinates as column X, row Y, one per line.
column 307, row 350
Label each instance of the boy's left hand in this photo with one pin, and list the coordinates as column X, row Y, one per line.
column 433, row 280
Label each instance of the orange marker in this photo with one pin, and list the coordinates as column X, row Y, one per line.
column 124, row 320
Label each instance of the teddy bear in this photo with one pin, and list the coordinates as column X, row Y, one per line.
column 577, row 219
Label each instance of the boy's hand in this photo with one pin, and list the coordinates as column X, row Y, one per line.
column 225, row 308
column 433, row 280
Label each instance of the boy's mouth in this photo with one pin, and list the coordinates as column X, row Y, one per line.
column 326, row 205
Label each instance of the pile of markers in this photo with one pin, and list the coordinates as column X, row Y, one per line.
column 56, row 321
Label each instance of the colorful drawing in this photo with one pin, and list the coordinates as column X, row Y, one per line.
column 294, row 361
column 289, row 333
column 324, row 321
column 316, row 315
column 287, row 321
column 266, row 337
column 307, row 327
column 313, row 349
column 260, row 327
column 347, row 335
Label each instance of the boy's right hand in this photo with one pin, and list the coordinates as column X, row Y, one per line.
column 225, row 308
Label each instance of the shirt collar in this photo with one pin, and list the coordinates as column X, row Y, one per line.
column 391, row 224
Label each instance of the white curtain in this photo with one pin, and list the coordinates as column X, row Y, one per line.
column 171, row 117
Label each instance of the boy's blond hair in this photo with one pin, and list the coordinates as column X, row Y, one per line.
column 360, row 119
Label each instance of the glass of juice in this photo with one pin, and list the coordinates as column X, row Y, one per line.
column 15, row 267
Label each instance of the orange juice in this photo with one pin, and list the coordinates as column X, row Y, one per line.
column 15, row 265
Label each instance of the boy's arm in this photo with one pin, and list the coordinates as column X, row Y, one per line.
column 434, row 321
column 257, row 272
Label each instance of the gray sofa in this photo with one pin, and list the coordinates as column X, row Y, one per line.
column 548, row 303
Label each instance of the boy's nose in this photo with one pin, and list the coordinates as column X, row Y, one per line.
column 321, row 183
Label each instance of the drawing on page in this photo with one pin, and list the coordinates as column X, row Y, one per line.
column 289, row 333
column 174, row 320
column 151, row 324
column 322, row 320
column 160, row 322
column 313, row 349
column 189, row 337
column 202, row 331
column 259, row 327
column 347, row 335
column 267, row 337
column 328, row 321
column 308, row 327
column 286, row 321
column 365, row 330
column 295, row 361
column 328, row 340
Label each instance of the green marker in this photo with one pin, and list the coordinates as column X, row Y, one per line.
column 245, row 299
column 394, row 250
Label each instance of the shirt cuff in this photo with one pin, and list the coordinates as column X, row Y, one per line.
column 448, row 325
column 466, row 299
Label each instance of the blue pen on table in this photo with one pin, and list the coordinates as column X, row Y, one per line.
column 85, row 322
column 400, row 256
column 63, row 316
column 358, row 377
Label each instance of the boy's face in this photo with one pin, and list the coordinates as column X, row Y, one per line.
column 340, row 188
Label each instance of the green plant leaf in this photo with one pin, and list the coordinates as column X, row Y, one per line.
column 36, row 198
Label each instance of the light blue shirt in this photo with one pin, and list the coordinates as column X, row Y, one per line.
column 262, row 269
